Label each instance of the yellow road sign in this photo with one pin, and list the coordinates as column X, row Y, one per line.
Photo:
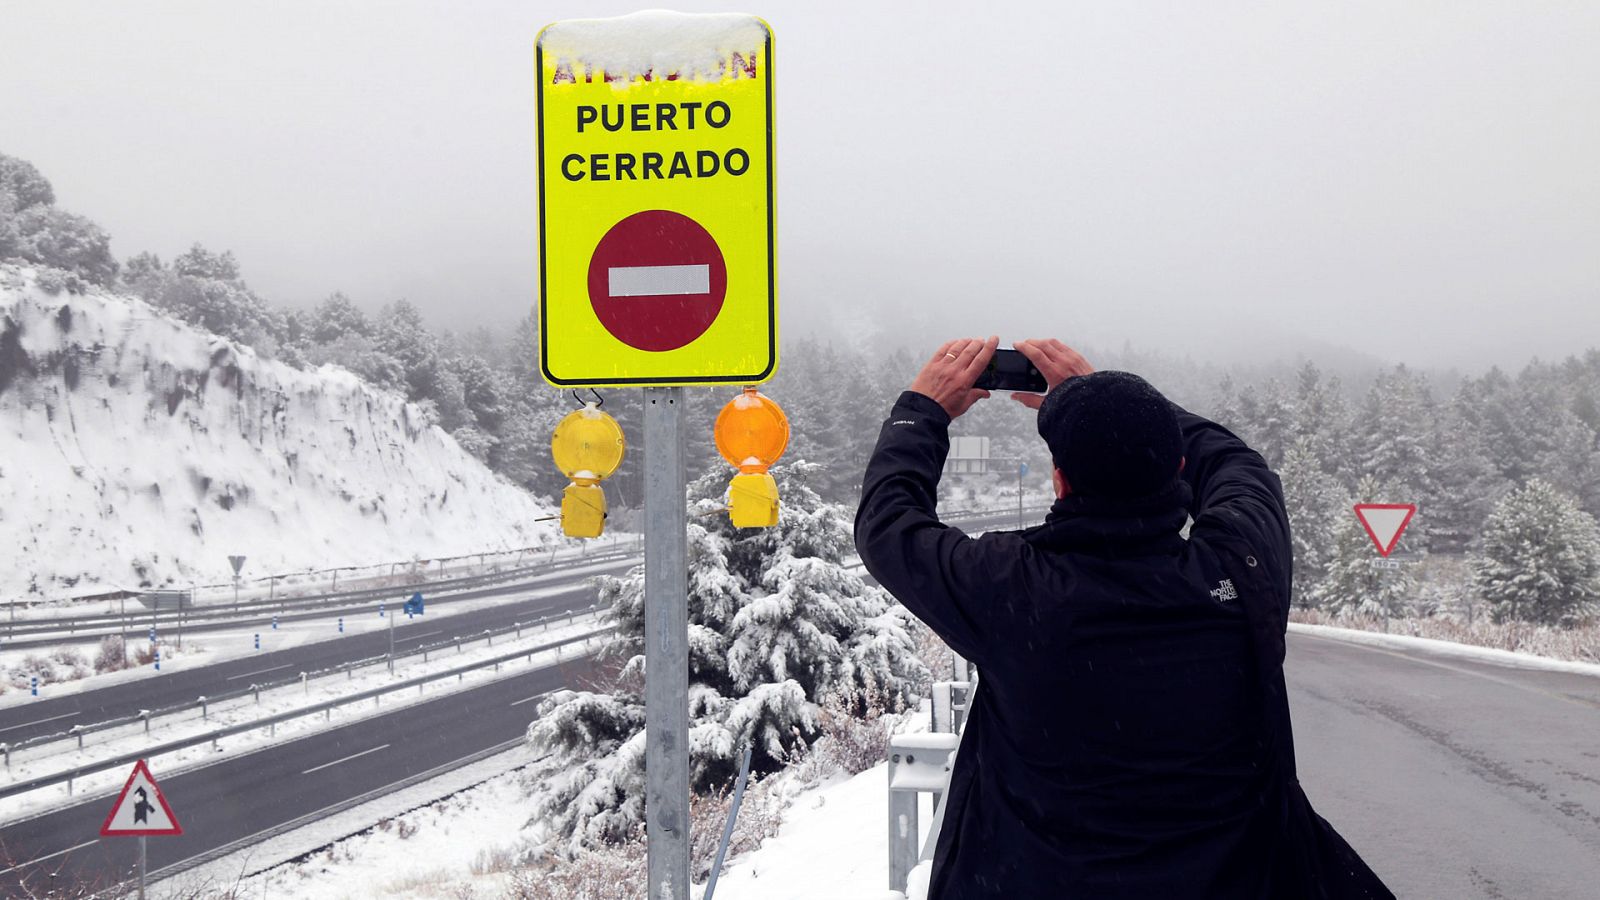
column 657, row 262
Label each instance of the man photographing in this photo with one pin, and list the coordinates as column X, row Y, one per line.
column 1130, row 736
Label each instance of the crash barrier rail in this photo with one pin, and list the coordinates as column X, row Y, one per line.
column 263, row 610
column 327, row 706
column 314, row 578
column 919, row 764
column 204, row 703
column 123, row 623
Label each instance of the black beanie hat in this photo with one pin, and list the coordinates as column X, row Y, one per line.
column 1112, row 435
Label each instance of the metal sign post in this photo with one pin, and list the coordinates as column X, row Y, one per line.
column 666, row 646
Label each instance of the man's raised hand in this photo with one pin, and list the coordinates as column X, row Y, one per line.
column 1055, row 361
column 948, row 377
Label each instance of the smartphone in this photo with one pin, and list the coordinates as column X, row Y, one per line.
column 1009, row 370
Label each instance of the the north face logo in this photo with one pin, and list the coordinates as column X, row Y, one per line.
column 1224, row 591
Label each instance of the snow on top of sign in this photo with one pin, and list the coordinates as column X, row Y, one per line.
column 687, row 44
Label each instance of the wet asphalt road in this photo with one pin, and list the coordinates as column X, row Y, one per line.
column 1453, row 779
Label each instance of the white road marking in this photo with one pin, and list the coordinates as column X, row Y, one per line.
column 530, row 699
column 258, row 672
column 413, row 637
column 49, row 856
column 654, row 281
column 40, row 721
column 345, row 760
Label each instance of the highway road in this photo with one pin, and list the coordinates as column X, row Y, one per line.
column 1453, row 779
column 238, row 797
column 52, row 715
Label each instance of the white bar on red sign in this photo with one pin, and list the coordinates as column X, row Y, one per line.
column 655, row 281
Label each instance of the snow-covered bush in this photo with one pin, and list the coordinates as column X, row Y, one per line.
column 112, row 655
column 1541, row 558
column 777, row 625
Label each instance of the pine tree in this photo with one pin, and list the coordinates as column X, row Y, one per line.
column 777, row 625
column 1541, row 558
column 1469, row 483
column 1354, row 582
column 1321, row 416
column 1315, row 502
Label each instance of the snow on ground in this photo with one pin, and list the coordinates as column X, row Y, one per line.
column 1449, row 649
column 159, row 449
column 834, row 845
column 58, row 757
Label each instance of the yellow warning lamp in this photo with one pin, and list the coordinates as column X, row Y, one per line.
column 751, row 433
column 587, row 447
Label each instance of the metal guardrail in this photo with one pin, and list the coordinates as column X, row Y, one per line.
column 919, row 764
column 327, row 706
column 77, row 732
column 115, row 624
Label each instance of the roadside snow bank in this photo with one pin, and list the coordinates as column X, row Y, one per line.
column 136, row 451
column 1407, row 643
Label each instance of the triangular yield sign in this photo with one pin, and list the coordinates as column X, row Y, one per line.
column 1385, row 522
column 140, row 808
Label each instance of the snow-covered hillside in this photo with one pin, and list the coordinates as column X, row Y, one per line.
column 136, row 450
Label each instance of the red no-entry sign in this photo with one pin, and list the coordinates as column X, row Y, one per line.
column 657, row 280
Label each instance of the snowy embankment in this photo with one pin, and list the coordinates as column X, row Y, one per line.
column 136, row 451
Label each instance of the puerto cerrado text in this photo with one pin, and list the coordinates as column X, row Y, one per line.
column 648, row 166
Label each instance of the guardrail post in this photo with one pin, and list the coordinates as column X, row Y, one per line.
column 917, row 763
column 458, row 645
column 145, row 715
column 491, row 636
column 77, row 731
column 204, row 708
column 519, row 628
column 304, row 684
column 69, row 785
column 256, row 688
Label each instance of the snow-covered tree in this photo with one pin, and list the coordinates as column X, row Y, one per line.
column 777, row 625
column 1468, row 483
column 23, row 185
column 1321, row 417
column 1354, row 581
column 338, row 316
column 54, row 237
column 1315, row 502
column 1541, row 558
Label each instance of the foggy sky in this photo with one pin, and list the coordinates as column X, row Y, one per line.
column 1415, row 181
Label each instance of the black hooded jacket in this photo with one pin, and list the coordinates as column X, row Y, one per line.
column 1131, row 735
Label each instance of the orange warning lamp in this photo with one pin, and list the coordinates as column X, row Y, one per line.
column 751, row 433
column 587, row 446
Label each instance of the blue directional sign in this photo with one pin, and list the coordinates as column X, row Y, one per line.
column 1022, row 469
column 413, row 606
